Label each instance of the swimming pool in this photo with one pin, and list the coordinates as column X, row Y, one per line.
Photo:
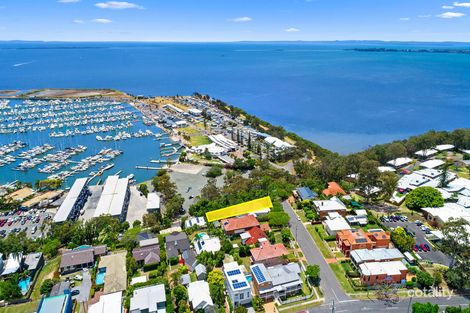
column 24, row 284
column 100, row 276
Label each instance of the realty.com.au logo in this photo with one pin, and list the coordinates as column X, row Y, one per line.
column 431, row 293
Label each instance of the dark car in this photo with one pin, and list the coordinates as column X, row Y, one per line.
column 415, row 248
column 427, row 247
column 75, row 292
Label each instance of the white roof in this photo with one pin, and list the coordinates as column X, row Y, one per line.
column 444, row 147
column 277, row 143
column 464, row 201
column 195, row 111
column 376, row 255
column 110, row 303
column 212, row 148
column 112, row 199
column 398, row 162
column 148, row 242
column 465, row 151
column 336, row 224
column 222, row 141
column 12, row 264
column 428, row 172
column 148, row 298
column 432, row 163
column 380, row 268
column 412, row 181
column 153, row 201
column 139, row 279
column 361, row 213
column 386, row 169
column 206, row 243
column 66, row 207
column 334, row 204
column 458, row 184
column 199, row 295
column 426, row 152
column 448, row 211
column 235, row 276
column 199, row 221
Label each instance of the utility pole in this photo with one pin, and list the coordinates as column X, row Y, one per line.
column 409, row 305
column 333, row 307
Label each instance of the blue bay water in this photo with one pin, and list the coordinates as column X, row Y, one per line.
column 344, row 100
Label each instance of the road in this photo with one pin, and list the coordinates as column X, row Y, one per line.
column 329, row 284
column 403, row 306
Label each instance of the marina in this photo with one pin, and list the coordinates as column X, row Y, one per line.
column 70, row 138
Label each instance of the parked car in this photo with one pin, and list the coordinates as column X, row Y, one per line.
column 427, row 247
column 78, row 277
column 423, row 247
column 415, row 248
column 75, row 292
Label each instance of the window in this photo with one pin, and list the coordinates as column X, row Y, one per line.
column 242, row 296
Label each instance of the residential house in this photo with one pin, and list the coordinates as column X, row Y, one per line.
column 305, row 193
column 176, row 243
column 238, row 225
column 147, row 254
column 349, row 240
column 276, row 281
column 360, row 256
column 115, row 279
column 75, row 260
column 333, row 189
column 253, row 236
column 269, row 254
column 203, row 242
column 150, row 299
column 334, row 223
column 34, row 262
column 237, row 286
column 57, row 304
column 360, row 218
column 13, row 264
column 185, row 280
column 110, row 303
column 195, row 221
column 323, row 207
column 201, row 271
column 373, row 273
column 200, row 297
column 189, row 259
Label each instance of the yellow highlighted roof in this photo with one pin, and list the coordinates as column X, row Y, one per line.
column 240, row 209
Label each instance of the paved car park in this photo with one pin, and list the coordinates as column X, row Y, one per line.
column 434, row 256
column 28, row 221
column 84, row 288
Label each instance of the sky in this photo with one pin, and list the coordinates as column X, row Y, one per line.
column 234, row 20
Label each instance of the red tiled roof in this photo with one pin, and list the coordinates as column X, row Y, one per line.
column 333, row 189
column 237, row 223
column 268, row 251
column 256, row 233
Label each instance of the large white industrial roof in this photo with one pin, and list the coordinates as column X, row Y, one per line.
column 66, row 207
column 112, row 199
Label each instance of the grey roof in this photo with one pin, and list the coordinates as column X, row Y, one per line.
column 60, row 288
column 189, row 257
column 283, row 274
column 32, row 260
column 142, row 254
column 66, row 207
column 360, row 256
column 145, row 235
column 200, row 269
column 100, row 250
column 77, row 257
column 176, row 243
column 185, row 279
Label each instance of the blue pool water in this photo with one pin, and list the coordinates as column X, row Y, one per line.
column 100, row 276
column 24, row 284
column 249, row 278
column 342, row 99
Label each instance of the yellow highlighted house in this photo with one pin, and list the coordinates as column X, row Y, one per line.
column 240, row 209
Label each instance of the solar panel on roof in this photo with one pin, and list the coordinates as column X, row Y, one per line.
column 259, row 275
column 234, row 272
column 239, row 285
column 361, row 240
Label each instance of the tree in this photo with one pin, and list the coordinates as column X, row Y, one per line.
column 9, row 290
column 46, row 286
column 388, row 183
column 216, row 277
column 368, row 177
column 444, row 175
column 143, row 188
column 279, row 219
column 48, row 184
column 210, row 190
column 240, row 309
column 395, row 150
column 51, row 247
column 214, row 171
column 313, row 273
column 425, row 308
column 424, row 279
column 217, row 294
column 401, row 239
column 180, row 293
column 424, row 197
column 286, row 235
column 257, row 303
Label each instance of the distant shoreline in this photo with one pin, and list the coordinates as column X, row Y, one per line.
column 454, row 51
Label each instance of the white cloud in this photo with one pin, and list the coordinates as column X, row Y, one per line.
column 68, row 1
column 292, row 30
column 118, row 5
column 462, row 4
column 447, row 7
column 425, row 16
column 79, row 21
column 451, row 15
column 404, row 19
column 242, row 19
column 102, row 21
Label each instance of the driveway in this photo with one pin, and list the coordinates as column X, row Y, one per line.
column 434, row 256
column 331, row 288
column 84, row 287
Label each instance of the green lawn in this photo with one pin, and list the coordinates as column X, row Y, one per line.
column 320, row 243
column 341, row 276
column 199, row 140
column 29, row 307
column 50, row 267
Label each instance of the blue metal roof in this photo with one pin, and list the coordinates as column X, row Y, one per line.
column 306, row 193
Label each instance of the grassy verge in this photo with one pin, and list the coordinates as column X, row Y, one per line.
column 341, row 276
column 46, row 272
column 199, row 140
column 325, row 251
